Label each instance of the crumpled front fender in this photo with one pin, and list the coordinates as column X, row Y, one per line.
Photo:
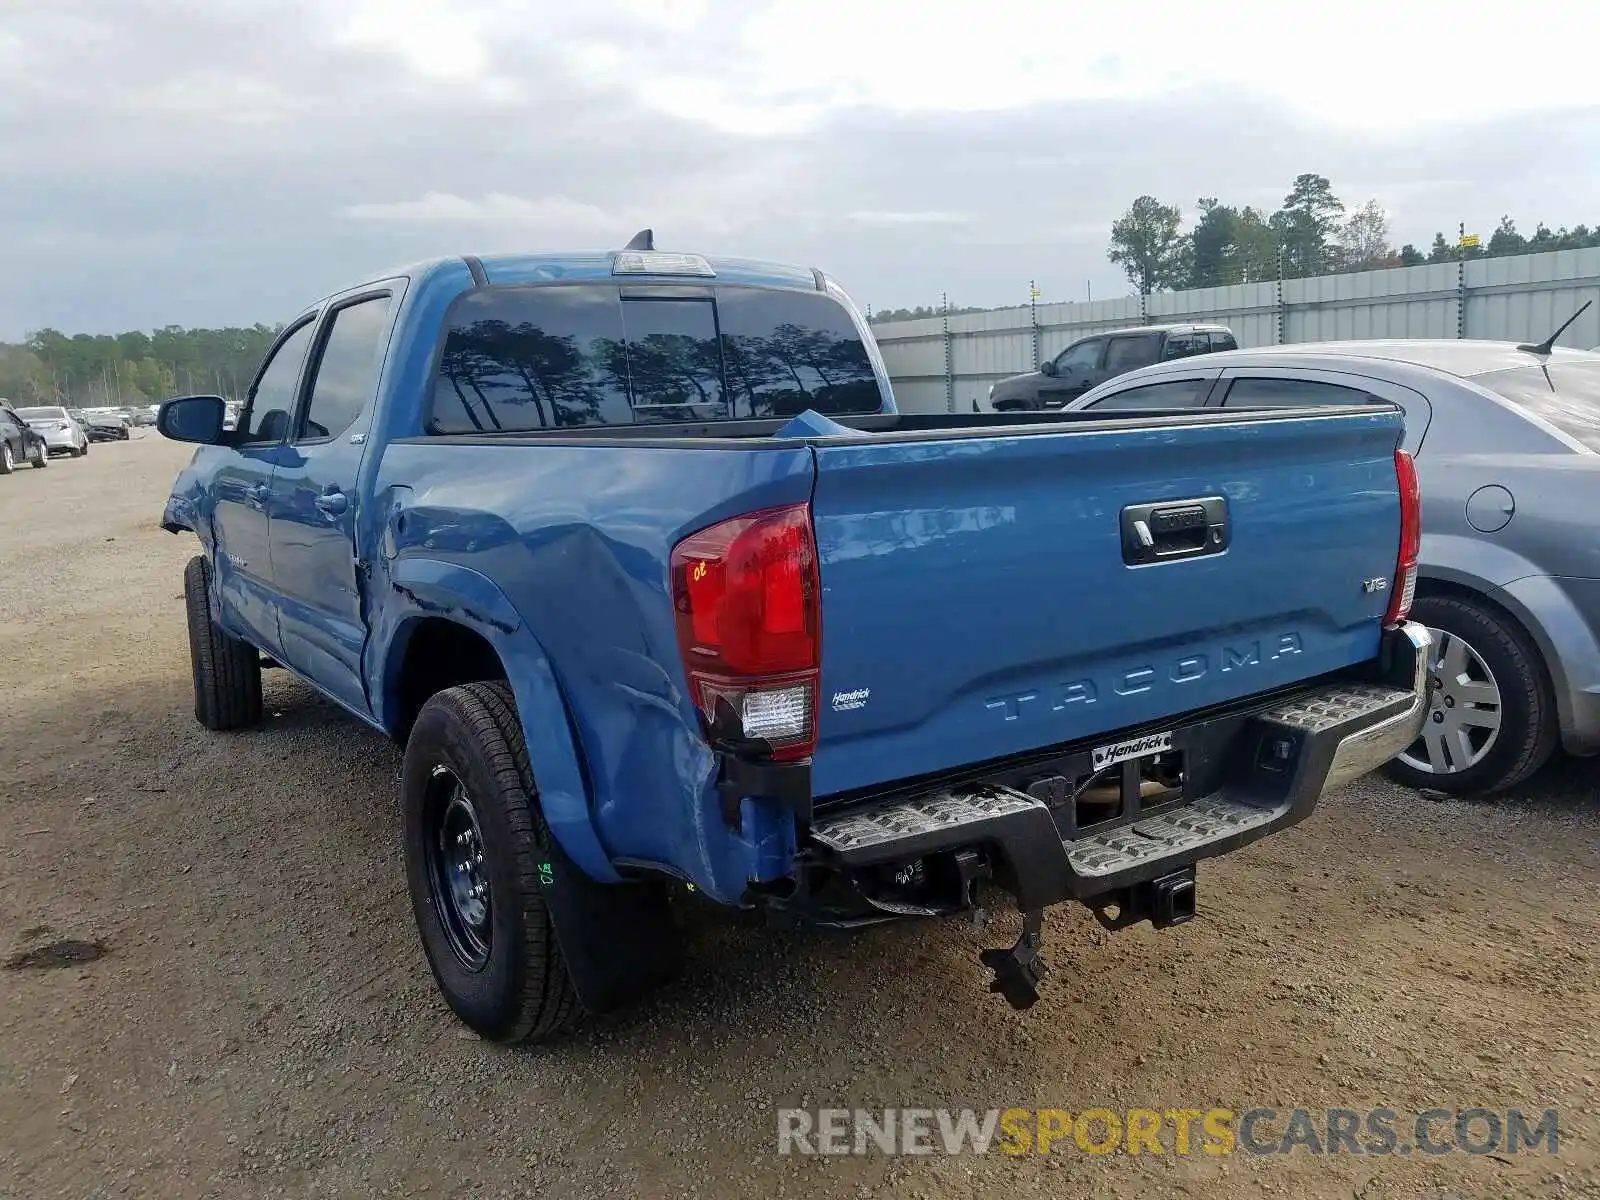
column 185, row 508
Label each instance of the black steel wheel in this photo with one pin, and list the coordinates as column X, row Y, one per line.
column 478, row 861
column 453, row 846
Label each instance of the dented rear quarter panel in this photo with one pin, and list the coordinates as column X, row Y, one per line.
column 568, row 578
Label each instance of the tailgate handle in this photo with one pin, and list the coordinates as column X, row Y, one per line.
column 1168, row 530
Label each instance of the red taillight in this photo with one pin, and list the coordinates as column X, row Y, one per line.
column 1405, row 570
column 747, row 595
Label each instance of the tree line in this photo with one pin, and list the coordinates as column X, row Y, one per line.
column 1311, row 233
column 876, row 316
column 90, row 370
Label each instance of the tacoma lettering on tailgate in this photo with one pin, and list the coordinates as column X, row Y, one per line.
column 1188, row 669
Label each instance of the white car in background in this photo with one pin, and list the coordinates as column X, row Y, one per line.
column 62, row 435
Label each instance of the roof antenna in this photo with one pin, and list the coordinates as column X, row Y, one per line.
column 1549, row 343
column 645, row 239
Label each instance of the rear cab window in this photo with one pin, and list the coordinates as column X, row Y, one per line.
column 1565, row 395
column 519, row 358
column 1182, row 345
column 1197, row 341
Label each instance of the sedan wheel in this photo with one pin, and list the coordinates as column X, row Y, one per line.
column 1492, row 715
column 1464, row 721
column 8, row 462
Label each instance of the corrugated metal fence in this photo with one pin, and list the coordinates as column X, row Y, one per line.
column 945, row 364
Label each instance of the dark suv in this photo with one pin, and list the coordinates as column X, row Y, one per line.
column 1092, row 360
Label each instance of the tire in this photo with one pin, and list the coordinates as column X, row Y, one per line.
column 227, row 672
column 8, row 461
column 41, row 457
column 1475, row 643
column 510, row 984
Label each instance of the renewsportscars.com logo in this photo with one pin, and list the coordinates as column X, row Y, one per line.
column 1374, row 1132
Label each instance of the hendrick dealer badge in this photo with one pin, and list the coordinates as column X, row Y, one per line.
column 1109, row 756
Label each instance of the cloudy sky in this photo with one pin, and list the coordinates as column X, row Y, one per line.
column 225, row 161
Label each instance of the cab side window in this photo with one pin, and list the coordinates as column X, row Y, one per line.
column 1085, row 355
column 1130, row 353
column 272, row 399
column 347, row 369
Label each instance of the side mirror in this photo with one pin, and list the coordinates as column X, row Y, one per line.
column 193, row 419
column 1048, row 367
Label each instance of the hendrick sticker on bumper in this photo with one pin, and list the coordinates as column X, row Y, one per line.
column 1110, row 756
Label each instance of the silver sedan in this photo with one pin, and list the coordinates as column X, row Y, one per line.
column 1507, row 445
column 61, row 433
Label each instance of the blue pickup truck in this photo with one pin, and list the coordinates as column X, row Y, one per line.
column 634, row 556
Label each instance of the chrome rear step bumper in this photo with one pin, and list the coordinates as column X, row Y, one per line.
column 1286, row 758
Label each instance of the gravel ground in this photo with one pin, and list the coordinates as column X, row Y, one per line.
column 260, row 1020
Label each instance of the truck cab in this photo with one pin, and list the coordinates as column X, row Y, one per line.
column 1090, row 361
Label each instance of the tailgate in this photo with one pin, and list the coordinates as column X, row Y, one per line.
column 976, row 601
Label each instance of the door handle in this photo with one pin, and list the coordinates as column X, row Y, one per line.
column 1175, row 529
column 333, row 503
column 258, row 495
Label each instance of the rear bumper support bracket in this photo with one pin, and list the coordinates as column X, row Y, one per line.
column 1018, row 969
